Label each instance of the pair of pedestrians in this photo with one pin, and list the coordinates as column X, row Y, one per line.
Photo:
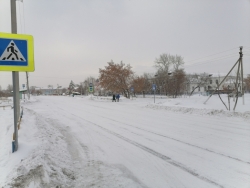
column 116, row 97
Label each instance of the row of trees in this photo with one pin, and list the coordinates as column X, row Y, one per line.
column 7, row 92
column 120, row 78
column 169, row 77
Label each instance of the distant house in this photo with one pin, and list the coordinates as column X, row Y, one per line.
column 51, row 91
column 76, row 93
column 211, row 84
column 227, row 85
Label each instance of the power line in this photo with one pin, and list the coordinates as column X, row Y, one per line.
column 212, row 60
column 213, row 54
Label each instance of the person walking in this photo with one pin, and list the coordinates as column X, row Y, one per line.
column 113, row 98
column 117, row 97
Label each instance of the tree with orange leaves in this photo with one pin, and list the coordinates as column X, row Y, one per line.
column 116, row 78
column 140, row 85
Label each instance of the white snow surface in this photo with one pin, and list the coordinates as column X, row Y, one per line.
column 90, row 141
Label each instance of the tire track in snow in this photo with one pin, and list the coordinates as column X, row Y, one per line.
column 155, row 153
column 180, row 141
column 205, row 149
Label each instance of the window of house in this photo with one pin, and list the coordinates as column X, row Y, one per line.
column 217, row 82
column 211, row 81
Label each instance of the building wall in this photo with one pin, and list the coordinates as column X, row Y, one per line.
column 51, row 91
column 212, row 84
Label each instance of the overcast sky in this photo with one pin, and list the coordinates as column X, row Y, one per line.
column 74, row 38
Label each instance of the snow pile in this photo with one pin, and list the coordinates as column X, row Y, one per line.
column 195, row 105
column 48, row 156
column 48, row 163
column 204, row 111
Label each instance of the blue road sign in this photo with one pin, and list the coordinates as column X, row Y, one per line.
column 132, row 89
column 16, row 52
column 13, row 52
column 153, row 87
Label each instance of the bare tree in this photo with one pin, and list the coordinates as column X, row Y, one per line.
column 1, row 92
column 177, row 62
column 9, row 88
column 177, row 83
column 168, row 65
column 164, row 62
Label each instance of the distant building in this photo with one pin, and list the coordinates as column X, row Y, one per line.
column 51, row 91
column 211, row 84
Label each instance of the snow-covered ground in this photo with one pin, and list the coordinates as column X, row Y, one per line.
column 93, row 142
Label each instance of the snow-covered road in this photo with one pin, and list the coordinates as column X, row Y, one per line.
column 84, row 142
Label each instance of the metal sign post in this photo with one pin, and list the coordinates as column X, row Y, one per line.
column 132, row 90
column 154, row 87
column 16, row 54
column 15, row 79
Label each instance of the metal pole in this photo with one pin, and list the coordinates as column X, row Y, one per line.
column 242, row 78
column 237, row 77
column 222, row 81
column 15, row 77
column 154, row 95
column 81, row 88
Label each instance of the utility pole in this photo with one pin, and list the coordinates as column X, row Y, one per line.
column 238, row 77
column 15, row 78
column 242, row 78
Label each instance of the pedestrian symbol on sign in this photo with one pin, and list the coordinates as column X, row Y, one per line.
column 12, row 53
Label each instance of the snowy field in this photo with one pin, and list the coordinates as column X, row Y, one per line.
column 67, row 142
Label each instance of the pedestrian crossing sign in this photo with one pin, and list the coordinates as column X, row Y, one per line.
column 16, row 52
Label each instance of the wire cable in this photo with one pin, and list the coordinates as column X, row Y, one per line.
column 212, row 60
column 213, row 54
